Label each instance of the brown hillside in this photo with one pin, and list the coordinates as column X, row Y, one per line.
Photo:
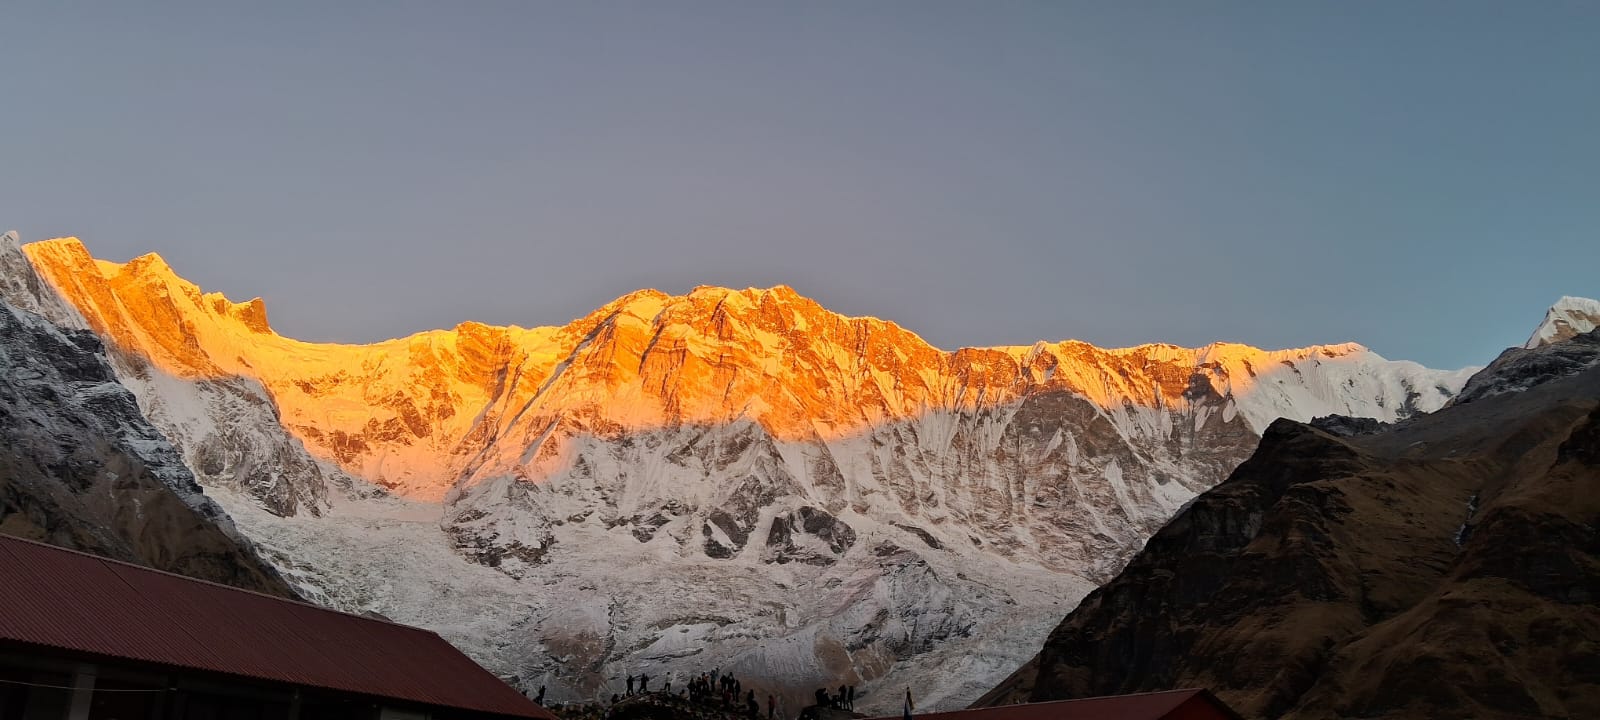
column 1447, row 567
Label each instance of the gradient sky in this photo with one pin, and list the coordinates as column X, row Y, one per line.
column 1421, row 177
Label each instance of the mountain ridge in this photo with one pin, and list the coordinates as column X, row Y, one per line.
column 153, row 263
column 252, row 312
column 677, row 359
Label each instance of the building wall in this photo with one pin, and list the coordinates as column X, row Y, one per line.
column 42, row 685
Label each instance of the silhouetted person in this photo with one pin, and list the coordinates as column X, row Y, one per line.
column 772, row 707
column 850, row 701
column 644, row 683
column 540, row 697
column 822, row 697
column 630, row 684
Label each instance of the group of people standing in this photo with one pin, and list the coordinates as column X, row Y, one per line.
column 844, row 700
column 713, row 685
column 718, row 694
column 724, row 690
column 643, row 682
column 713, row 690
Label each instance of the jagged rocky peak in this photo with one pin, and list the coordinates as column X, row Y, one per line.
column 1569, row 317
column 252, row 313
column 150, row 265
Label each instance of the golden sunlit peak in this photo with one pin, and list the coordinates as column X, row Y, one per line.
column 150, row 262
column 69, row 243
column 647, row 303
column 1223, row 350
column 644, row 295
column 68, row 251
column 781, row 291
column 253, row 314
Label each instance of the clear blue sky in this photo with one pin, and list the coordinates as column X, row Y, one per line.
column 1421, row 177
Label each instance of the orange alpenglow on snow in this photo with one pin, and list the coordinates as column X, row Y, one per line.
column 426, row 410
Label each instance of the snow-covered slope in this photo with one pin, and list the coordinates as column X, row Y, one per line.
column 734, row 479
column 1569, row 317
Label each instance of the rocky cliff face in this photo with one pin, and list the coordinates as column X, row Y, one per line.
column 1518, row 369
column 1445, row 567
column 726, row 478
column 82, row 469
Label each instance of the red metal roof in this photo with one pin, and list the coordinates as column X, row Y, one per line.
column 1168, row 705
column 73, row 601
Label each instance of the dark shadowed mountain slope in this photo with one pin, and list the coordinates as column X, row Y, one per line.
column 81, row 468
column 1448, row 566
column 1518, row 369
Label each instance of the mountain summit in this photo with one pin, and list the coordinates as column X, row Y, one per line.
column 1568, row 318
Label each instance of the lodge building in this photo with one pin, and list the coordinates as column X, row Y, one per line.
column 86, row 638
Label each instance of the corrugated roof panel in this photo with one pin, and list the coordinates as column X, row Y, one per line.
column 1140, row 706
column 65, row 599
column 76, row 601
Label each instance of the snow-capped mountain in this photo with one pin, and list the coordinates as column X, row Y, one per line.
column 732, row 479
column 1568, row 318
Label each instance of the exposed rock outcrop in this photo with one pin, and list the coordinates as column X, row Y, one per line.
column 1518, row 369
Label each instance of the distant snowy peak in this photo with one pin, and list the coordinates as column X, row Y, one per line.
column 1569, row 317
